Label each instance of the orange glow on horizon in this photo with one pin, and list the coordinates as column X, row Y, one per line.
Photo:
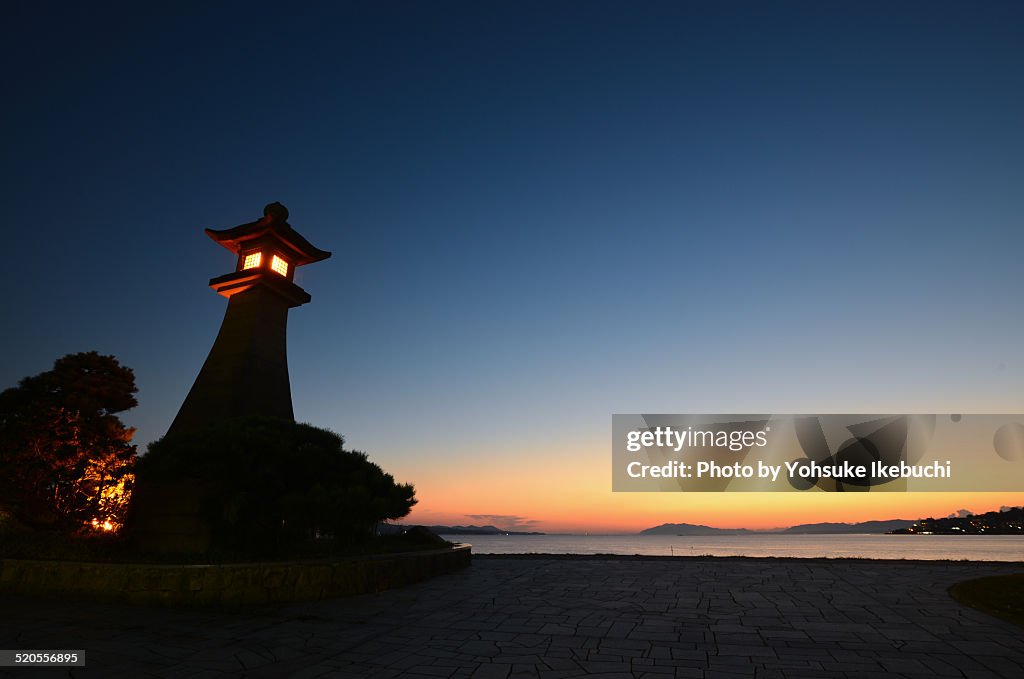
column 560, row 490
column 758, row 512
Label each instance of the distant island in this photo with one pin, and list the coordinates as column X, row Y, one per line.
column 392, row 529
column 478, row 530
column 805, row 528
column 692, row 529
column 1008, row 521
column 838, row 528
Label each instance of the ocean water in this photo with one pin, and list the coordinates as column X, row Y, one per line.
column 957, row 547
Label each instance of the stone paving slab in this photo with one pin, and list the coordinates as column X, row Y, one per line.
column 505, row 618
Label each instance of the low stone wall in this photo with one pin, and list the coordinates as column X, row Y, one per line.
column 236, row 583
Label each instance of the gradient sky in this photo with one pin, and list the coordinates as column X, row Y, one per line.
column 541, row 213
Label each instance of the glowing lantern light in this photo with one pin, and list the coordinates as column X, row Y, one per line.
column 279, row 265
column 252, row 261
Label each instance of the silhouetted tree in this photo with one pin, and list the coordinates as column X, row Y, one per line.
column 66, row 456
column 271, row 485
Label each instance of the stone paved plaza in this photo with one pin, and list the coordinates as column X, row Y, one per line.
column 553, row 617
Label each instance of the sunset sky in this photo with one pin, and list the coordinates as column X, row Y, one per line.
column 541, row 214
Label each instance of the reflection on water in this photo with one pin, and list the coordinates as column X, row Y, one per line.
column 972, row 547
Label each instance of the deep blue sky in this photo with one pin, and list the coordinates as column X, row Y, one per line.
column 541, row 213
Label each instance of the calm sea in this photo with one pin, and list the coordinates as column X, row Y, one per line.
column 973, row 547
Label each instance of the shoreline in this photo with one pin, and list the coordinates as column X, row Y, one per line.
column 709, row 557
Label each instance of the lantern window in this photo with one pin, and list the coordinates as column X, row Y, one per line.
column 279, row 265
column 253, row 260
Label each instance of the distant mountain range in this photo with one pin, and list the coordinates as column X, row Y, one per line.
column 806, row 528
column 1009, row 520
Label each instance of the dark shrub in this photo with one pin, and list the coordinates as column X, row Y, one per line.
column 271, row 486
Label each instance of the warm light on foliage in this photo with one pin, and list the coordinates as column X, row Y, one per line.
column 252, row 261
column 279, row 265
column 110, row 496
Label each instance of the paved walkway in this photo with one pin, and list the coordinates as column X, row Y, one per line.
column 546, row 617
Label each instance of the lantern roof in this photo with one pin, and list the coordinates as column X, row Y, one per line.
column 273, row 227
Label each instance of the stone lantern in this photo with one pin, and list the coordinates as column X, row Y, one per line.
column 246, row 372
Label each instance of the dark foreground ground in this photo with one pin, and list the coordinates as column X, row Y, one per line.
column 549, row 617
